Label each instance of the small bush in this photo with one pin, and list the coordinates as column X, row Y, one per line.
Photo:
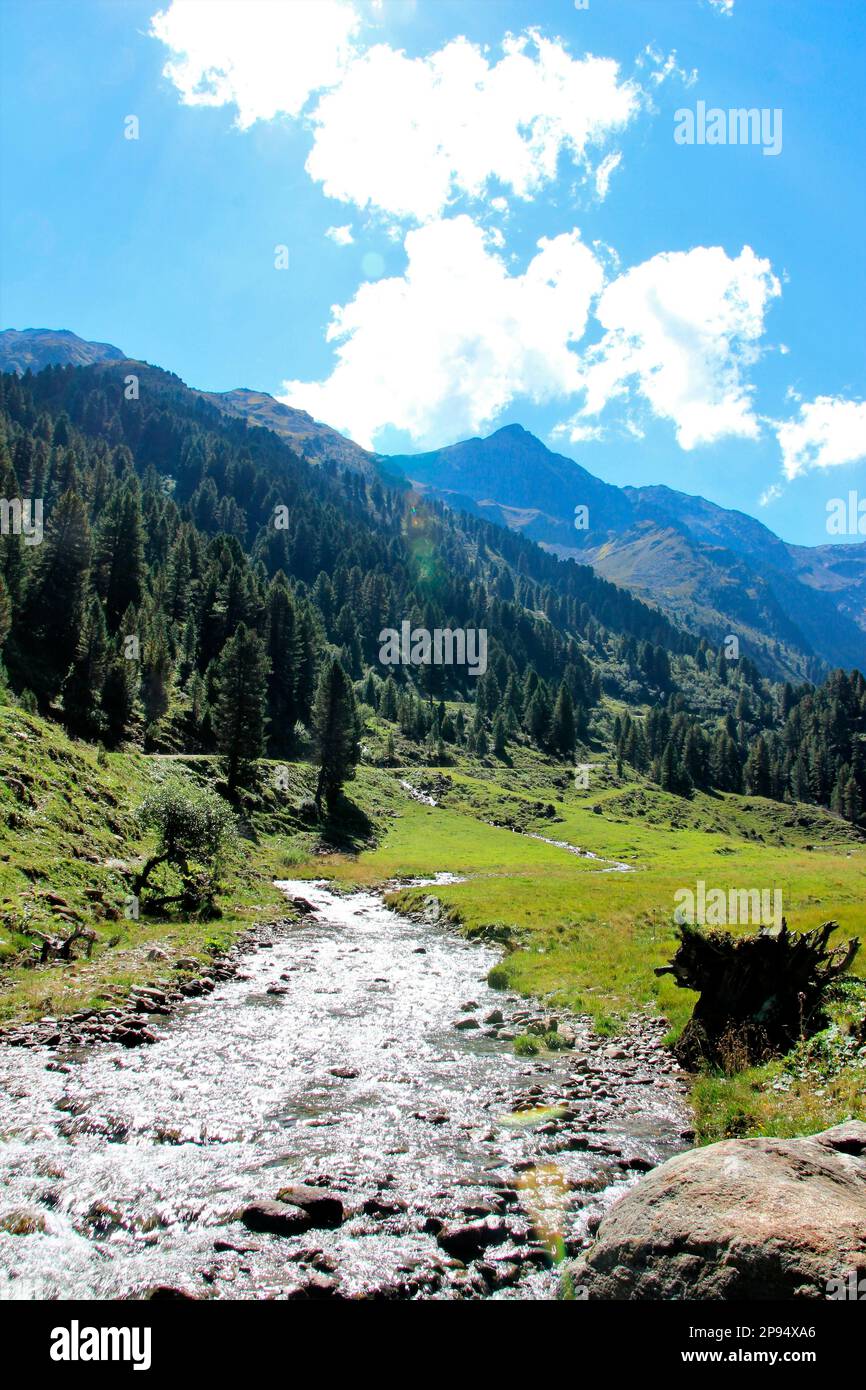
column 195, row 829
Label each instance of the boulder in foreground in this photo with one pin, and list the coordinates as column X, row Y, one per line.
column 742, row 1219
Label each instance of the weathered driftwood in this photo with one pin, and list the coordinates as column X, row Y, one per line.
column 759, row 994
column 60, row 948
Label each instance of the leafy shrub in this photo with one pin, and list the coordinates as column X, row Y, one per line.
column 195, row 829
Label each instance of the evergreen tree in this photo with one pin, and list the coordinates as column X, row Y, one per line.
column 118, row 554
column 83, row 687
column 284, row 655
column 563, row 733
column 500, row 738
column 241, row 693
column 757, row 769
column 55, row 598
column 337, row 731
column 538, row 715
column 5, row 611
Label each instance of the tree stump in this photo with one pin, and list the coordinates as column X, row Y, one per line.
column 759, row 994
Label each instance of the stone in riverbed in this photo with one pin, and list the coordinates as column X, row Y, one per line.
column 23, row 1221
column 167, row 1293
column 277, row 1218
column 742, row 1219
column 322, row 1207
column 466, row 1242
column 465, row 1023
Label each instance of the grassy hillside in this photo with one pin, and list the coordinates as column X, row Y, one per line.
column 69, row 847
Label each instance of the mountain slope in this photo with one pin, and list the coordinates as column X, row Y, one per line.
column 315, row 441
column 31, row 349
column 711, row 569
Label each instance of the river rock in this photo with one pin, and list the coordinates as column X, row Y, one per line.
column 322, row 1207
column 279, row 1218
column 167, row 1293
column 23, row 1221
column 741, row 1219
column 466, row 1242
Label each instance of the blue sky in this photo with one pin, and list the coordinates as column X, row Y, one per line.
column 486, row 215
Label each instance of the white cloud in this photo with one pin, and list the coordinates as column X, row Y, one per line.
column 770, row 494
column 440, row 351
column 578, row 432
column 341, row 236
column 681, row 330
column 265, row 58
column 464, row 123
column 725, row 7
column 604, row 172
column 829, row 431
column 401, row 135
column 665, row 65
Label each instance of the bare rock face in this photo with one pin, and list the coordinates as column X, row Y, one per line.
column 742, row 1219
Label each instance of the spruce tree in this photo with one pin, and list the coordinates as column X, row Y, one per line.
column 284, row 654
column 118, row 553
column 757, row 770
column 83, row 687
column 337, row 731
column 56, row 597
column 563, row 732
column 500, row 737
column 239, row 719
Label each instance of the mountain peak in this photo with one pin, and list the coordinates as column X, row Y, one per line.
column 515, row 430
column 31, row 349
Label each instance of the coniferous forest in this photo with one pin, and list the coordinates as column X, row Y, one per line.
column 187, row 555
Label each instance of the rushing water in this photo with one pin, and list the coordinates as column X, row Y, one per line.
column 128, row 1169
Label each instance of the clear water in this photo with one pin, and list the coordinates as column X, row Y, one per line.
column 130, row 1165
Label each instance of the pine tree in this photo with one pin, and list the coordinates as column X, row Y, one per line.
column 337, row 731
column 122, row 683
column 284, row 654
column 118, row 554
column 852, row 804
column 5, row 611
column 500, row 738
column 538, row 715
column 388, row 701
column 563, row 733
column 83, row 687
column 56, row 596
column 757, row 770
column 239, row 719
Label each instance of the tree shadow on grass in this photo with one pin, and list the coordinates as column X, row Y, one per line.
column 345, row 826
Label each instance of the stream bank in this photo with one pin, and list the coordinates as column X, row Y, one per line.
column 359, row 1053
